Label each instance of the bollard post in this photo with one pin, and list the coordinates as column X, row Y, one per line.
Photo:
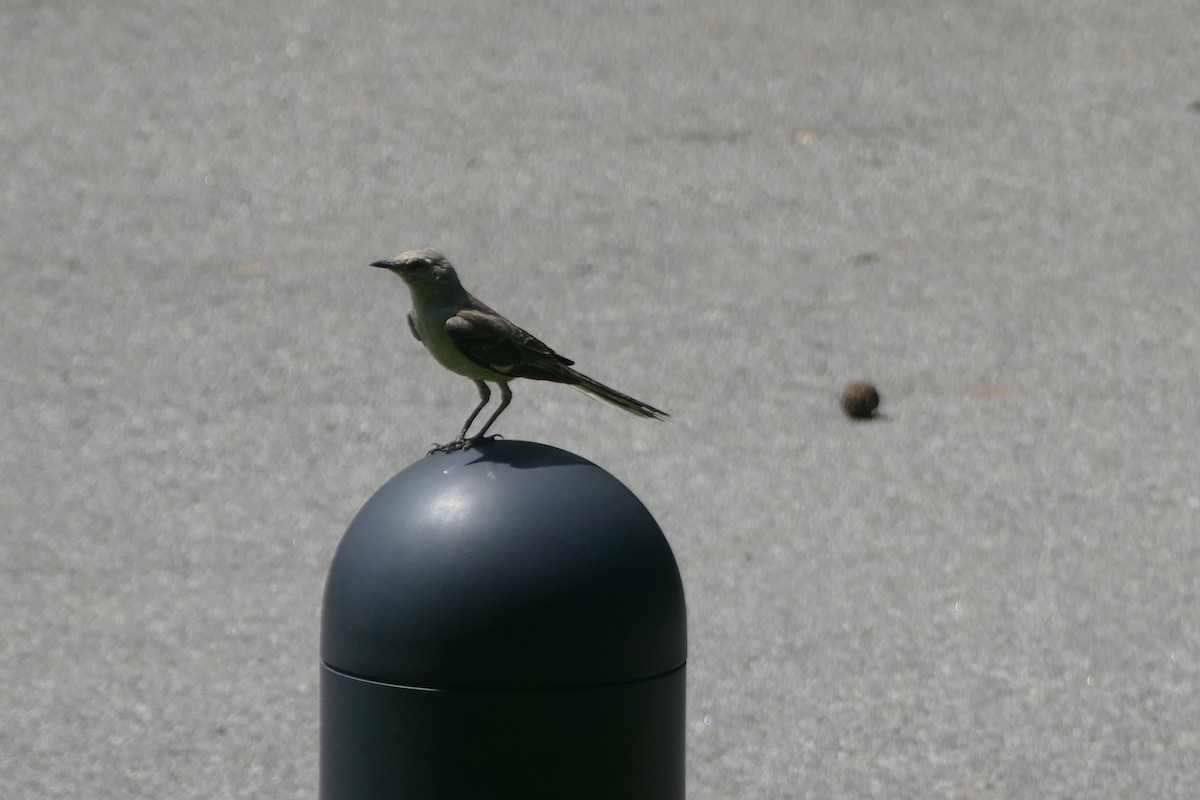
column 505, row 622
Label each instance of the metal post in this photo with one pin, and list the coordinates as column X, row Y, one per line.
column 505, row 622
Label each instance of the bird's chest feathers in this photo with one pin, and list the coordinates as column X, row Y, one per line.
column 431, row 327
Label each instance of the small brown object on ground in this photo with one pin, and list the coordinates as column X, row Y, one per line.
column 860, row 399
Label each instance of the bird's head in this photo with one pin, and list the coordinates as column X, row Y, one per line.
column 421, row 269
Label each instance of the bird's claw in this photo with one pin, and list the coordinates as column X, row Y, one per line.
column 474, row 440
column 462, row 443
column 449, row 447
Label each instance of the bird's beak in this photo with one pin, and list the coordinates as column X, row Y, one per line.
column 383, row 264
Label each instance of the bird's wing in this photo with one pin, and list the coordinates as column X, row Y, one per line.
column 491, row 341
column 413, row 328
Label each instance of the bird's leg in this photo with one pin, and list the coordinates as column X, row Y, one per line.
column 505, row 399
column 485, row 394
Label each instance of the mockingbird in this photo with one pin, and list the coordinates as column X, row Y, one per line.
column 467, row 337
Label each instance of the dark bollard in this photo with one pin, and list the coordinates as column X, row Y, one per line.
column 505, row 622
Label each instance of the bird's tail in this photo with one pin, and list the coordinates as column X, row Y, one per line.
column 613, row 397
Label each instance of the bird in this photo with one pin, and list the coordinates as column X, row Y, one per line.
column 467, row 337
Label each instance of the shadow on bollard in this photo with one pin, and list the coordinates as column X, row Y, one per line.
column 505, row 622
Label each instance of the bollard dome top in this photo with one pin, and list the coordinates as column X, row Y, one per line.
column 513, row 565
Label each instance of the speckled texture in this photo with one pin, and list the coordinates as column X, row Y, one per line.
column 728, row 210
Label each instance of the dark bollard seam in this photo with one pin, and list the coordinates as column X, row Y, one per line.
column 505, row 689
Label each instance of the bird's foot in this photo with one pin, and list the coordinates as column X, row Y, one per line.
column 450, row 447
column 474, row 440
column 462, row 443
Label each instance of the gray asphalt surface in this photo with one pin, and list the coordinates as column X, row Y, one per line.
column 729, row 210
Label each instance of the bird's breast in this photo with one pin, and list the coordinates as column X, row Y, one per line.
column 432, row 328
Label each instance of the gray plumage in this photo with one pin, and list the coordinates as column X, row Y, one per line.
column 471, row 339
